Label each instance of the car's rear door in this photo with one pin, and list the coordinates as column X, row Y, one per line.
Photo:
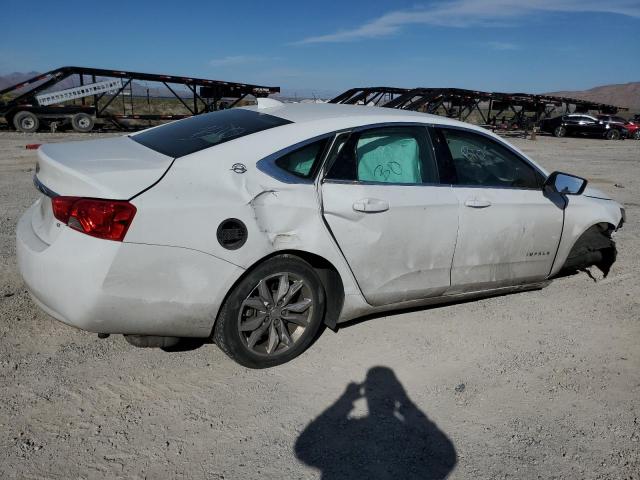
column 394, row 223
column 508, row 230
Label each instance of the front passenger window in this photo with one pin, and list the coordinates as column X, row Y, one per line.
column 395, row 155
column 482, row 161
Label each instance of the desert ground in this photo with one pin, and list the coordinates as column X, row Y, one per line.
column 542, row 384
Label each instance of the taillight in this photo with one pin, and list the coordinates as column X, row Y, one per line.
column 108, row 219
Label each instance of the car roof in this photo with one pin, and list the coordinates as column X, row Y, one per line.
column 352, row 115
column 328, row 117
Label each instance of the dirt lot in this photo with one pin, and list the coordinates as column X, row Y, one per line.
column 543, row 384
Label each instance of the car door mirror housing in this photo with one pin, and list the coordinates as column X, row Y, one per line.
column 565, row 183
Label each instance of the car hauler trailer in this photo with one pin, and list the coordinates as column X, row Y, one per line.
column 35, row 101
column 523, row 109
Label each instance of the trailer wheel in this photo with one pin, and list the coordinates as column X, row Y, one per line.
column 26, row 122
column 82, row 122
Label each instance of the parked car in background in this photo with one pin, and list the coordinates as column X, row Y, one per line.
column 254, row 226
column 581, row 124
column 633, row 127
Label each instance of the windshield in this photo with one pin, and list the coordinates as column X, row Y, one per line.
column 193, row 134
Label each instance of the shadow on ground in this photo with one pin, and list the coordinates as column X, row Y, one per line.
column 395, row 440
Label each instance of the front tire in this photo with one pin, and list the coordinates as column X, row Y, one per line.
column 559, row 131
column 273, row 314
column 636, row 134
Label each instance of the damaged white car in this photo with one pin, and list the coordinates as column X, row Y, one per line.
column 255, row 226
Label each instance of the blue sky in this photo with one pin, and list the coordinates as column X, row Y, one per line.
column 327, row 46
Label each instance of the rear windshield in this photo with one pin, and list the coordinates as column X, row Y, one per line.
column 203, row 131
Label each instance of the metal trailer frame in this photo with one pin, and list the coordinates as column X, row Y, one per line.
column 525, row 109
column 369, row 96
column 206, row 95
column 453, row 102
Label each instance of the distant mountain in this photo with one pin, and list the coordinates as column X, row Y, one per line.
column 15, row 77
column 621, row 95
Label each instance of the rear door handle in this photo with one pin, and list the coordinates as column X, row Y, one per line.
column 477, row 203
column 371, row 205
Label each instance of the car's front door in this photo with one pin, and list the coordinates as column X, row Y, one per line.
column 508, row 230
column 591, row 126
column 394, row 223
column 572, row 124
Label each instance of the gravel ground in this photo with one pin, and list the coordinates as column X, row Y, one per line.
column 543, row 384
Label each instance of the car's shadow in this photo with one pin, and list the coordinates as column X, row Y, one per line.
column 394, row 440
column 188, row 344
column 400, row 311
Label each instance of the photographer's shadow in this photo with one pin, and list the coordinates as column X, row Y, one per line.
column 394, row 441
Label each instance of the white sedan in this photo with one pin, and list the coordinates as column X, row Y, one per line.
column 255, row 226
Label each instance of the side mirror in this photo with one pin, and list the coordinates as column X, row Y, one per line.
column 565, row 183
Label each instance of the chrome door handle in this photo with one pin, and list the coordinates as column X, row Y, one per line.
column 476, row 203
column 371, row 205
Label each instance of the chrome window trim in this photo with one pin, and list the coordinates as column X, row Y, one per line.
column 385, row 184
column 268, row 166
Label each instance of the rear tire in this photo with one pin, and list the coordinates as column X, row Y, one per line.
column 82, row 122
column 613, row 134
column 26, row 122
column 259, row 333
column 560, row 132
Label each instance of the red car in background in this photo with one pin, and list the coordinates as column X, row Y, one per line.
column 633, row 127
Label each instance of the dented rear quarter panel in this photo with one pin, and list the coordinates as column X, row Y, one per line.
column 201, row 190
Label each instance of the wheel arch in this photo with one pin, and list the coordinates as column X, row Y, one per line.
column 327, row 273
column 596, row 238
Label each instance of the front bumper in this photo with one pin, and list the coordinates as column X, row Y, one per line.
column 111, row 287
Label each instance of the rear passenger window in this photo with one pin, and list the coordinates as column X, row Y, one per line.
column 395, row 155
column 177, row 139
column 302, row 162
column 479, row 160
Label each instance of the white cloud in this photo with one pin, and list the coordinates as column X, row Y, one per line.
column 503, row 46
column 468, row 13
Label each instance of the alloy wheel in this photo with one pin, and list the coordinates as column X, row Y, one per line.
column 27, row 123
column 275, row 314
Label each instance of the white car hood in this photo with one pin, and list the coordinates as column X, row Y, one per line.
column 114, row 168
column 595, row 193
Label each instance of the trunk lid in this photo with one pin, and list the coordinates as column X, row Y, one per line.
column 114, row 168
